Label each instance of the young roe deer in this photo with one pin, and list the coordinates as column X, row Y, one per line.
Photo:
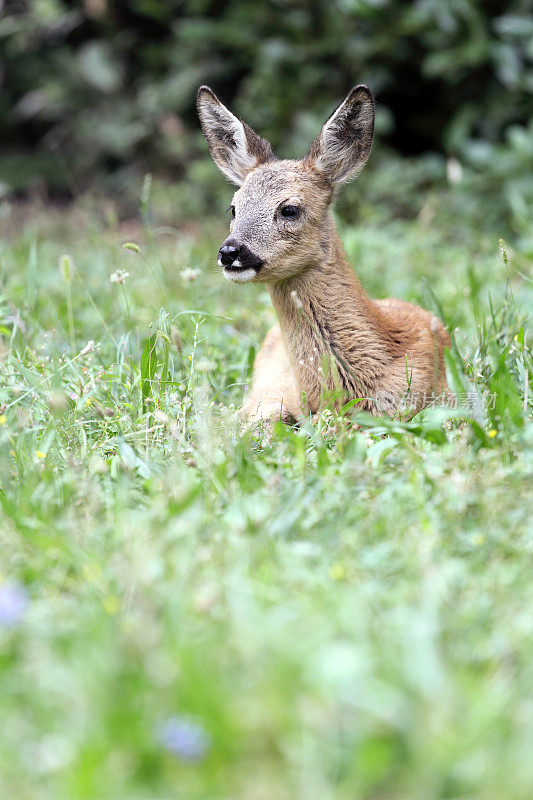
column 332, row 339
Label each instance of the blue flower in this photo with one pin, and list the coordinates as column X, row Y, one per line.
column 13, row 604
column 184, row 739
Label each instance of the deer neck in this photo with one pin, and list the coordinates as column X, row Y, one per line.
column 331, row 330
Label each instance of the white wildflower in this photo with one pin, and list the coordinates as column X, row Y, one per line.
column 189, row 275
column 120, row 276
column 89, row 347
column 205, row 365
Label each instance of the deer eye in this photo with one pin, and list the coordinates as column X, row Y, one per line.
column 290, row 212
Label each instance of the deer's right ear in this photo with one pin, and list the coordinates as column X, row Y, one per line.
column 235, row 147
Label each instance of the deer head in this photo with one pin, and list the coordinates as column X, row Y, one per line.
column 280, row 214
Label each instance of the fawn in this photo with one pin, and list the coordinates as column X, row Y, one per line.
column 332, row 339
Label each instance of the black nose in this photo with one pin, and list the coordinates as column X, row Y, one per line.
column 229, row 252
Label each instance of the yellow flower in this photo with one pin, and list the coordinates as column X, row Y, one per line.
column 111, row 604
column 337, row 572
column 40, row 454
column 88, row 401
column 491, row 434
column 3, row 419
column 91, row 572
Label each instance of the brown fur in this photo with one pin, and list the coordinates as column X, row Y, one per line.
column 383, row 351
column 333, row 343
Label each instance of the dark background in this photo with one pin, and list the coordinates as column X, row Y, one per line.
column 96, row 94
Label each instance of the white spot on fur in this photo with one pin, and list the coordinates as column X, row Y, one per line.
column 295, row 299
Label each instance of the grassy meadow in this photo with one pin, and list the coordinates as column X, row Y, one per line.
column 192, row 609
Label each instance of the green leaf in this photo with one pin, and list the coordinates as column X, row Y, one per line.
column 148, row 368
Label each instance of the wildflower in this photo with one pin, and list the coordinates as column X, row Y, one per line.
column 176, row 338
column 131, row 246
column 120, row 276
column 188, row 275
column 3, row 419
column 503, row 250
column 184, row 739
column 147, row 188
column 40, row 454
column 91, row 572
column 205, row 365
column 336, row 572
column 66, row 267
column 111, row 605
column 13, row 604
column 89, row 347
column 491, row 434
column 57, row 402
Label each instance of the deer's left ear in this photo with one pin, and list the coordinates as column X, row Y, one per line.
column 343, row 145
column 235, row 147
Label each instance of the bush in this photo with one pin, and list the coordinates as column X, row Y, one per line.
column 103, row 92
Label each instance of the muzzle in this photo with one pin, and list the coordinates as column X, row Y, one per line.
column 237, row 258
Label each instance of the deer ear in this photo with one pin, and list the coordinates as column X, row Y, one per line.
column 235, row 147
column 343, row 145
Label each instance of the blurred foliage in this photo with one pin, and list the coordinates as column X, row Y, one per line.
column 194, row 611
column 99, row 93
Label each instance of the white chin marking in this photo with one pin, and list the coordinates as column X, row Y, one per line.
column 240, row 276
column 219, row 262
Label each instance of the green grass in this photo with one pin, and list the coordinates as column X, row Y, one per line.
column 341, row 613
